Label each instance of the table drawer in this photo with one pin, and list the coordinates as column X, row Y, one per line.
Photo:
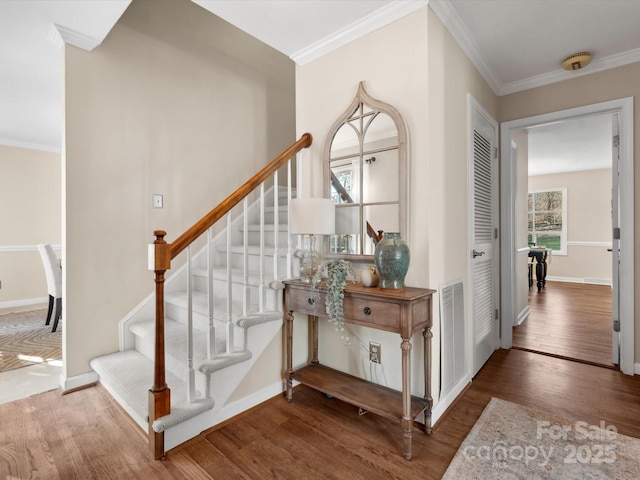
column 372, row 312
column 306, row 301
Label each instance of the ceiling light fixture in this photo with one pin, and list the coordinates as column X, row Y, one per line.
column 576, row 61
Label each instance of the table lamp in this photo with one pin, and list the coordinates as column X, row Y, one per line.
column 311, row 217
column 347, row 226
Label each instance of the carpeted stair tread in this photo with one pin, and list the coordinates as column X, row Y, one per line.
column 129, row 375
column 223, row 361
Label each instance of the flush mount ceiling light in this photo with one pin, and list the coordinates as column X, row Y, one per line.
column 576, row 61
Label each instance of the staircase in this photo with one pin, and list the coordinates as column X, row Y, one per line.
column 221, row 309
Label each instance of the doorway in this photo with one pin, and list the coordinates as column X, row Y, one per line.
column 564, row 222
column 509, row 272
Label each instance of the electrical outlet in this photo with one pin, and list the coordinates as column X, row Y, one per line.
column 375, row 352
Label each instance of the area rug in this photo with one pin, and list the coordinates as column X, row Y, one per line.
column 26, row 340
column 510, row 441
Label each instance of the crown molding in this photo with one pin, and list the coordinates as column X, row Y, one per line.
column 612, row 61
column 381, row 17
column 59, row 35
column 31, row 146
column 451, row 20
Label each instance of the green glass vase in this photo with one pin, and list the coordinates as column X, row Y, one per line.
column 392, row 260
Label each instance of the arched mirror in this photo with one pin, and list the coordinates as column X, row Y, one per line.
column 366, row 175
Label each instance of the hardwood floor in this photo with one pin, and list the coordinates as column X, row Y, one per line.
column 84, row 435
column 570, row 320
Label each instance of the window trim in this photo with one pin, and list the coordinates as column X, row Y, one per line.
column 563, row 232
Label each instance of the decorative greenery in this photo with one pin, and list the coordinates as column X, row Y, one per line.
column 336, row 273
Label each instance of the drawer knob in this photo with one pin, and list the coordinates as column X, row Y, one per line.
column 367, row 311
column 311, row 301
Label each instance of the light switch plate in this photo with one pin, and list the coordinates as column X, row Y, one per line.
column 157, row 200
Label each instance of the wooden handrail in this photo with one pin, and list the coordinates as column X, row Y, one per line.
column 344, row 195
column 236, row 197
column 160, row 394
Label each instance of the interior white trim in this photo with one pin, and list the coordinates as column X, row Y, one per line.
column 77, row 381
column 598, row 65
column 591, row 281
column 589, row 244
column 24, row 302
column 381, row 17
column 522, row 316
column 72, row 37
column 23, row 248
column 29, row 145
column 445, row 402
column 449, row 17
column 456, row 27
column 626, row 187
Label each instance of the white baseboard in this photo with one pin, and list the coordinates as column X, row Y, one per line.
column 24, row 302
column 522, row 316
column 78, row 381
column 636, row 368
column 235, row 408
column 591, row 281
column 446, row 401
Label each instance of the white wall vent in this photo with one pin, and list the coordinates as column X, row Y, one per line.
column 452, row 338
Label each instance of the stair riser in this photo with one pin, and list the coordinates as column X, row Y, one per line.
column 269, row 240
column 220, row 290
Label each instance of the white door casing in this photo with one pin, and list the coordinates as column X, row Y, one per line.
column 483, row 241
column 615, row 242
column 624, row 108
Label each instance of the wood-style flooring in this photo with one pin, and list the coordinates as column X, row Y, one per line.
column 84, row 435
column 570, row 320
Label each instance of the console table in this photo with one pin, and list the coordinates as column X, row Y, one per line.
column 403, row 311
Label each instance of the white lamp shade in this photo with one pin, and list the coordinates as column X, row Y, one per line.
column 348, row 220
column 312, row 216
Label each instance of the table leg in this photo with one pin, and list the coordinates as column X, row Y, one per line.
column 407, row 421
column 427, row 336
column 288, row 325
column 539, row 274
column 314, row 339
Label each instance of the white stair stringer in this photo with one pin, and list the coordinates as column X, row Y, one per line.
column 225, row 376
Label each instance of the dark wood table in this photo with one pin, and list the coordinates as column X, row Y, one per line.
column 541, row 256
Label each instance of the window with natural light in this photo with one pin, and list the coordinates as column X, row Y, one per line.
column 548, row 219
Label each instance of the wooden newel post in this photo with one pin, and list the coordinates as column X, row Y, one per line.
column 160, row 394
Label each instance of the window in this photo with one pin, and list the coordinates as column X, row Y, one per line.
column 548, row 219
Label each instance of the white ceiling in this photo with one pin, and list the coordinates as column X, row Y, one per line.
column 515, row 44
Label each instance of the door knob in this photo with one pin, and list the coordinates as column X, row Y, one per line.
column 477, row 254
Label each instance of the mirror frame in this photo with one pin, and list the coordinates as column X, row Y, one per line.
column 363, row 98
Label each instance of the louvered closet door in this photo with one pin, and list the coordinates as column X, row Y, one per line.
column 484, row 254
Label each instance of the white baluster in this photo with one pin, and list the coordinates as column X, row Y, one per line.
column 211, row 337
column 191, row 392
column 289, row 244
column 245, row 259
column 276, row 224
column 261, row 286
column 230, row 328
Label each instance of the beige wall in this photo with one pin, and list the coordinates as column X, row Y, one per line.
column 610, row 84
column 588, row 221
column 175, row 101
column 521, row 139
column 415, row 65
column 30, row 195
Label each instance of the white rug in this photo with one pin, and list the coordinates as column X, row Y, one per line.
column 510, row 441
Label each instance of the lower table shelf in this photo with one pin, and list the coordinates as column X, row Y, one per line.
column 369, row 396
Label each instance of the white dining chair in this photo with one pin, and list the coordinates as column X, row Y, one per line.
column 53, row 273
